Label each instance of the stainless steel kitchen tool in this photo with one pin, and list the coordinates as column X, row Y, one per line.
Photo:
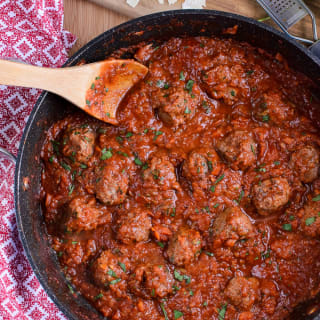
column 286, row 13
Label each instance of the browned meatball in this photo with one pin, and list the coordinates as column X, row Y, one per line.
column 84, row 213
column 160, row 174
column 238, row 147
column 134, row 226
column 310, row 222
column 160, row 183
column 232, row 224
column 112, row 181
column 305, row 162
column 108, row 272
column 200, row 163
column 79, row 144
column 243, row 292
column 271, row 195
column 227, row 83
column 184, row 246
column 178, row 104
column 274, row 108
column 151, row 280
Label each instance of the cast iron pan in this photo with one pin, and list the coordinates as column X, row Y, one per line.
column 50, row 108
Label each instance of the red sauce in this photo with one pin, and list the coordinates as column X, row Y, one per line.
column 204, row 201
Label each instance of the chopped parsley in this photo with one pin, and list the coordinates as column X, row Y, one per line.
column 265, row 118
column 287, row 227
column 70, row 188
column 182, row 76
column 157, row 134
column 177, row 314
column 276, row 163
column 253, row 150
column 222, row 311
column 160, row 244
column 122, row 266
column 129, row 134
column 137, row 161
column 316, row 198
column 164, row 311
column 249, row 72
column 74, row 242
column 310, row 221
column 99, row 296
column 112, row 273
column 233, row 93
column 178, row 276
column 210, row 254
column 88, row 102
column 187, row 110
column 213, row 188
column 189, row 86
column 115, row 281
column 65, row 166
column 105, row 154
column 92, row 86
column 51, row 159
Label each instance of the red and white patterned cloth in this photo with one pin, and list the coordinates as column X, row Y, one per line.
column 32, row 31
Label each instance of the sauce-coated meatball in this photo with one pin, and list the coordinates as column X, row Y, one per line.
column 184, row 246
column 305, row 162
column 232, row 224
column 160, row 174
column 134, row 226
column 178, row 105
column 151, row 280
column 227, row 83
column 243, row 292
column 200, row 163
column 107, row 272
column 238, row 148
column 112, row 182
column 273, row 108
column 79, row 144
column 271, row 195
column 310, row 222
column 84, row 213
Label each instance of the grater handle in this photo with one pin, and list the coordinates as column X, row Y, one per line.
column 315, row 49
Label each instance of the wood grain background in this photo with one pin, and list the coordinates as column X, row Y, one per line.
column 88, row 19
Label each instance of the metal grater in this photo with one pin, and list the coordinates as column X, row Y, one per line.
column 286, row 13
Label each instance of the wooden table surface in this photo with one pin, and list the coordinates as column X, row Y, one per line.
column 86, row 19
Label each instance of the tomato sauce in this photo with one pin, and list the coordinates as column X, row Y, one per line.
column 204, row 201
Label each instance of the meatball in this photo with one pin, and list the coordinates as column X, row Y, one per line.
column 160, row 183
column 232, row 224
column 310, row 222
column 238, row 147
column 160, row 174
column 107, row 271
column 305, row 162
column 227, row 82
column 79, row 144
column 184, row 246
column 112, row 182
column 179, row 104
column 274, row 109
column 200, row 163
column 134, row 226
column 271, row 195
column 243, row 292
column 151, row 280
column 84, row 213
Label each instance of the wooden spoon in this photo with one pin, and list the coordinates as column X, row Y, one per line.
column 97, row 88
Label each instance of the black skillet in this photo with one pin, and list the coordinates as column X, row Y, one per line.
column 50, row 108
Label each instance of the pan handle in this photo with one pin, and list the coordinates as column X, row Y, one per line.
column 7, row 155
column 315, row 49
